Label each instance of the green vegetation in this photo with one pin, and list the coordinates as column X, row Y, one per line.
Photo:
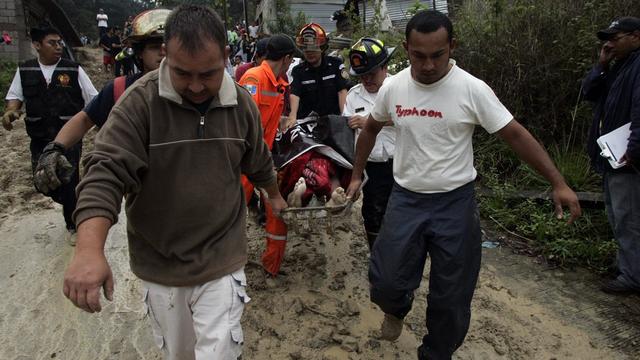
column 535, row 66
column 588, row 242
column 7, row 71
column 285, row 23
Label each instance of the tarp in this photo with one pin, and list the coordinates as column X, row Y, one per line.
column 329, row 135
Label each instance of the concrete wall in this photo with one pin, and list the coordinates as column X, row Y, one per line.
column 12, row 21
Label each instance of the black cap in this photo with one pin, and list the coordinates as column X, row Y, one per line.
column 624, row 24
column 280, row 45
column 261, row 48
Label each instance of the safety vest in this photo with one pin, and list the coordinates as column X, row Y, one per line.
column 49, row 107
column 268, row 93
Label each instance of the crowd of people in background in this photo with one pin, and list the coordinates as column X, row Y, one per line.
column 241, row 39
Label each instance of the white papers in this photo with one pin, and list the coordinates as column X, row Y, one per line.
column 614, row 145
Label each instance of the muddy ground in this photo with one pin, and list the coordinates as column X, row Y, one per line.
column 319, row 309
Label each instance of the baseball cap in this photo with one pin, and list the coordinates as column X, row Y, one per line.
column 261, row 48
column 623, row 24
column 280, row 45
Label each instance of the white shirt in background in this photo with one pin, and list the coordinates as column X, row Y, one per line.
column 435, row 124
column 253, row 31
column 102, row 20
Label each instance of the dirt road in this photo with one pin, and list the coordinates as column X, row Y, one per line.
column 319, row 310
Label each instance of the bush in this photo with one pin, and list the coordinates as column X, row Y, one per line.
column 534, row 55
column 7, row 71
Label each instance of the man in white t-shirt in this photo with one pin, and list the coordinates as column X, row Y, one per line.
column 253, row 30
column 102, row 20
column 368, row 59
column 435, row 107
column 53, row 90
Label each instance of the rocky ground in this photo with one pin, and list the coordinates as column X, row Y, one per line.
column 319, row 309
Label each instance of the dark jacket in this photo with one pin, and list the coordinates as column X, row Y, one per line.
column 616, row 97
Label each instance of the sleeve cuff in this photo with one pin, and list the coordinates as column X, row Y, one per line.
column 80, row 216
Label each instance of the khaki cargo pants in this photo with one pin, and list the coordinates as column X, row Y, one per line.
column 198, row 322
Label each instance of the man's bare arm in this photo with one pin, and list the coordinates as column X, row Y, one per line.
column 74, row 130
column 532, row 152
column 366, row 141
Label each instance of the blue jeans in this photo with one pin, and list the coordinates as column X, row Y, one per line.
column 622, row 199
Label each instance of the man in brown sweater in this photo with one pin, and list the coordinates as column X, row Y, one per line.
column 175, row 144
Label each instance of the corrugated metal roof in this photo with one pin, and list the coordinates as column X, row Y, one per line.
column 320, row 11
column 397, row 10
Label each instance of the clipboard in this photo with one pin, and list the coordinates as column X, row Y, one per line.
column 614, row 145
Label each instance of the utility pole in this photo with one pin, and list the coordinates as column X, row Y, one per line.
column 224, row 14
column 364, row 13
column 246, row 14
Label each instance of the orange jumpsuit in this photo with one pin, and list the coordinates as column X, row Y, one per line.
column 268, row 93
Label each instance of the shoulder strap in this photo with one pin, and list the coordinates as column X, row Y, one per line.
column 119, row 85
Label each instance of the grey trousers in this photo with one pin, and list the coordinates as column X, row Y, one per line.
column 622, row 199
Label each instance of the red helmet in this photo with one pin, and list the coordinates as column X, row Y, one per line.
column 312, row 37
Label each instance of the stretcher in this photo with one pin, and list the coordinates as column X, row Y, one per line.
column 331, row 137
column 303, row 219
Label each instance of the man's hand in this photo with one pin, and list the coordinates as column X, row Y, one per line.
column 626, row 159
column 357, row 121
column 53, row 169
column 606, row 55
column 563, row 195
column 353, row 191
column 291, row 122
column 277, row 204
column 9, row 117
column 86, row 275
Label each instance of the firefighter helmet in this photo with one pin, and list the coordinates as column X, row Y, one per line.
column 312, row 37
column 148, row 24
column 367, row 54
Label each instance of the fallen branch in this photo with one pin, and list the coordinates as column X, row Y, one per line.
column 509, row 231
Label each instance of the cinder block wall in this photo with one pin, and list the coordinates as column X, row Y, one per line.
column 11, row 21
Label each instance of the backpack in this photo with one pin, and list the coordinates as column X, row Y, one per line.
column 119, row 86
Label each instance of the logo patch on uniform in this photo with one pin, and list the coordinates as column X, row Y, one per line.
column 64, row 80
column 344, row 73
column 252, row 89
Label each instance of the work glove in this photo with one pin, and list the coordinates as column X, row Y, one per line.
column 9, row 117
column 53, row 169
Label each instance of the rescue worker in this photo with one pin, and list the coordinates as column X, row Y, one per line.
column 175, row 144
column 146, row 39
column 319, row 82
column 53, row 90
column 368, row 60
column 266, row 84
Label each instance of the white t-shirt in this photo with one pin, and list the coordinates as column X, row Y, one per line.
column 253, row 31
column 435, row 125
column 360, row 102
column 88, row 90
column 102, row 20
